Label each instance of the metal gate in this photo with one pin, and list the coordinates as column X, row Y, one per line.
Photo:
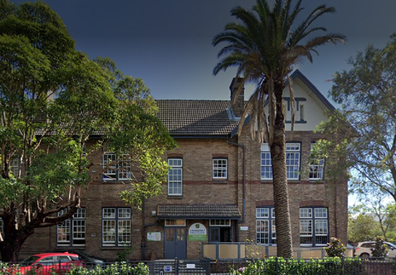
column 180, row 267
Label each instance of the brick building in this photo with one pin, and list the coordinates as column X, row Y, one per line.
column 219, row 189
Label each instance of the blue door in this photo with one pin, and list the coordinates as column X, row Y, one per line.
column 175, row 242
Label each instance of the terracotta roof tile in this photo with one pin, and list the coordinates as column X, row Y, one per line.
column 214, row 211
column 196, row 117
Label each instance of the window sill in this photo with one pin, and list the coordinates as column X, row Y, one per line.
column 221, row 181
column 175, row 197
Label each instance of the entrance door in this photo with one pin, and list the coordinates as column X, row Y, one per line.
column 175, row 242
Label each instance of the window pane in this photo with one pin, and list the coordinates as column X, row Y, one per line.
column 109, row 166
column 262, row 212
column 292, row 161
column 320, row 212
column 262, row 231
column 124, row 231
column 316, row 167
column 305, row 212
column 219, row 168
column 175, row 177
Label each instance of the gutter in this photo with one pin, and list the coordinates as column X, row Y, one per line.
column 243, row 178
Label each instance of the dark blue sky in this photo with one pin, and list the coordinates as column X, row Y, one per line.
column 168, row 43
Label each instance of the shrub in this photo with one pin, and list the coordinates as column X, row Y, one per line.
column 335, row 248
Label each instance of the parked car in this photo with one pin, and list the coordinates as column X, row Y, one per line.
column 89, row 260
column 48, row 263
column 364, row 249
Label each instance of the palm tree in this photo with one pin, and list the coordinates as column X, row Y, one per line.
column 264, row 47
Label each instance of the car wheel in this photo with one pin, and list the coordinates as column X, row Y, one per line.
column 364, row 256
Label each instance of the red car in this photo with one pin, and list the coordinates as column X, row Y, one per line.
column 47, row 263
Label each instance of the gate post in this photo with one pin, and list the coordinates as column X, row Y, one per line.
column 176, row 266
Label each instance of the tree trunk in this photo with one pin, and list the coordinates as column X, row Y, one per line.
column 279, row 171
column 13, row 240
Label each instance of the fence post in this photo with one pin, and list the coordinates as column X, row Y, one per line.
column 127, row 262
column 276, row 265
column 176, row 266
column 60, row 266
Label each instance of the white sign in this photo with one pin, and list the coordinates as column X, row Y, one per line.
column 153, row 236
column 244, row 228
column 197, row 232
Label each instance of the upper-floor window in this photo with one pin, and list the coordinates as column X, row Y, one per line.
column 219, row 168
column 116, row 226
column 1, row 229
column 293, row 154
column 314, row 227
column 316, row 167
column 14, row 167
column 71, row 232
column 175, row 177
column 116, row 167
column 265, row 225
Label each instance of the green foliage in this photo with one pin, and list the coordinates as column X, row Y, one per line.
column 367, row 119
column 380, row 249
column 123, row 255
column 326, row 266
column 362, row 227
column 53, row 99
column 335, row 248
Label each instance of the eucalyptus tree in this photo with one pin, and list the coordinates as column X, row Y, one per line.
column 264, row 45
column 52, row 99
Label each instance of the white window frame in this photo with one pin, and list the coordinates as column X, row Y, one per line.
column 2, row 229
column 316, row 167
column 115, row 168
column 14, row 167
column 314, row 225
column 220, row 168
column 265, row 225
column 175, row 177
column 116, row 226
column 220, row 223
column 72, row 232
column 293, row 161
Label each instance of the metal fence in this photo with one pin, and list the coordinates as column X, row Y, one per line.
column 272, row 266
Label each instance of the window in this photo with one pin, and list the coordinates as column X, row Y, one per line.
column 116, row 226
column 175, row 177
column 314, row 228
column 292, row 161
column 265, row 225
column 219, row 168
column 1, row 229
column 14, row 167
column 220, row 231
column 175, row 222
column 316, row 167
column 116, row 167
column 72, row 231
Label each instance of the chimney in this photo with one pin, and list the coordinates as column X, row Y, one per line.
column 237, row 104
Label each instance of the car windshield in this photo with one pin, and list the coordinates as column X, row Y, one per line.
column 29, row 261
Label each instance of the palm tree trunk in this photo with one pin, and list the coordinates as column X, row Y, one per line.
column 279, row 171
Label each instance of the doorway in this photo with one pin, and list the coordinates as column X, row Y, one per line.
column 175, row 242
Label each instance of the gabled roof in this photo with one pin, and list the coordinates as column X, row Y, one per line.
column 198, row 118
column 315, row 91
column 198, row 211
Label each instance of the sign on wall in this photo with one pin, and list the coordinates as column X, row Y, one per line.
column 197, row 232
column 153, row 236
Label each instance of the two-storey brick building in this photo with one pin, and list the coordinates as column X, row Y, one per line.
column 219, row 189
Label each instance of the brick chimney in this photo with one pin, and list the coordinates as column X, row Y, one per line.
column 238, row 105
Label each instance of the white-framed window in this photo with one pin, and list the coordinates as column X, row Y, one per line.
column 116, row 226
column 175, row 222
column 316, row 167
column 314, row 226
column 219, row 168
column 2, row 229
column 116, row 167
column 220, row 223
column 293, row 154
column 175, row 177
column 14, row 167
column 71, row 232
column 265, row 225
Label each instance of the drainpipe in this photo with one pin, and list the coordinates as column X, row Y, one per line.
column 243, row 178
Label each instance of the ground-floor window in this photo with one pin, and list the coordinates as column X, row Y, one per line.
column 71, row 232
column 220, row 230
column 314, row 226
column 116, row 226
column 265, row 225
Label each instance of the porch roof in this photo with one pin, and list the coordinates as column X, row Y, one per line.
column 198, row 211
